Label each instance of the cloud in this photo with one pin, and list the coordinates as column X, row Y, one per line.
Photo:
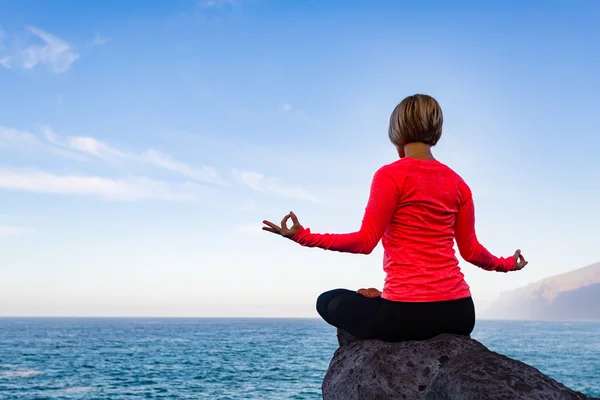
column 81, row 146
column 91, row 146
column 49, row 135
column 99, row 40
column 152, row 157
column 6, row 230
column 204, row 173
column 132, row 189
column 22, row 140
column 286, row 107
column 13, row 137
column 260, row 183
column 4, row 60
column 56, row 54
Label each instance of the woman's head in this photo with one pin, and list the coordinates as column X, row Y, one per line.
column 417, row 119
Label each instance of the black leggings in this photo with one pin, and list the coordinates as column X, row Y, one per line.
column 393, row 321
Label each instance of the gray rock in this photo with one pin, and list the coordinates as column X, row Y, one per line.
column 447, row 367
column 345, row 338
column 372, row 369
column 488, row 375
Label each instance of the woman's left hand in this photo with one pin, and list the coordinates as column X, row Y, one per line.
column 283, row 230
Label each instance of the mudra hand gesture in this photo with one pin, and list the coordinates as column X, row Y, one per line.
column 520, row 260
column 283, row 230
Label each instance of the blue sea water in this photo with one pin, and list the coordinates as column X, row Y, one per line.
column 234, row 359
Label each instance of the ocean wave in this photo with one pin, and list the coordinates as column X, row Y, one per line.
column 19, row 373
column 79, row 389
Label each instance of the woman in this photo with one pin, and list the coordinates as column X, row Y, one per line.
column 419, row 207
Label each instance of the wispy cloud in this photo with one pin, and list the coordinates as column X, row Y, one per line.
column 13, row 137
column 82, row 146
column 26, row 141
column 204, row 173
column 56, row 54
column 89, row 146
column 85, row 148
column 6, row 230
column 2, row 36
column 114, row 189
column 99, row 40
column 152, row 157
column 4, row 59
column 260, row 183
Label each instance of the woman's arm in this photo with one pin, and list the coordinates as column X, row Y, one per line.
column 469, row 247
column 378, row 214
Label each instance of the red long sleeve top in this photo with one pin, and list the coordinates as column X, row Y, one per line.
column 418, row 208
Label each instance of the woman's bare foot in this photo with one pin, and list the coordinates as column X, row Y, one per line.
column 370, row 293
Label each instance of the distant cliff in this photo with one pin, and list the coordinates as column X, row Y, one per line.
column 571, row 296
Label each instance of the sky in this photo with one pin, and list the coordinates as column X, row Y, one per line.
column 143, row 142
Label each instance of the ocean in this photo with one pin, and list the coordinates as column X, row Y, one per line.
column 79, row 358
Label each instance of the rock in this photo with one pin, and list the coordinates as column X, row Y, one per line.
column 447, row 367
column 488, row 375
column 373, row 369
column 345, row 338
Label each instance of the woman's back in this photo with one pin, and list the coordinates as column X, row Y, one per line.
column 419, row 258
column 419, row 207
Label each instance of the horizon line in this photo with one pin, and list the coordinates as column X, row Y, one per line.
column 262, row 318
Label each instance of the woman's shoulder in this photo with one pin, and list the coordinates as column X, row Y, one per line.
column 412, row 164
column 406, row 166
column 463, row 187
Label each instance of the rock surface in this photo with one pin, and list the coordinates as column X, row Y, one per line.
column 447, row 367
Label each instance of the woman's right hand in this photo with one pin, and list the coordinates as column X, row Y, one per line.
column 520, row 260
column 283, row 230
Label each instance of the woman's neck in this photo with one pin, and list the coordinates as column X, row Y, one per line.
column 419, row 151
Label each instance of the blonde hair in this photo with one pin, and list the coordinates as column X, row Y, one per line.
column 417, row 118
